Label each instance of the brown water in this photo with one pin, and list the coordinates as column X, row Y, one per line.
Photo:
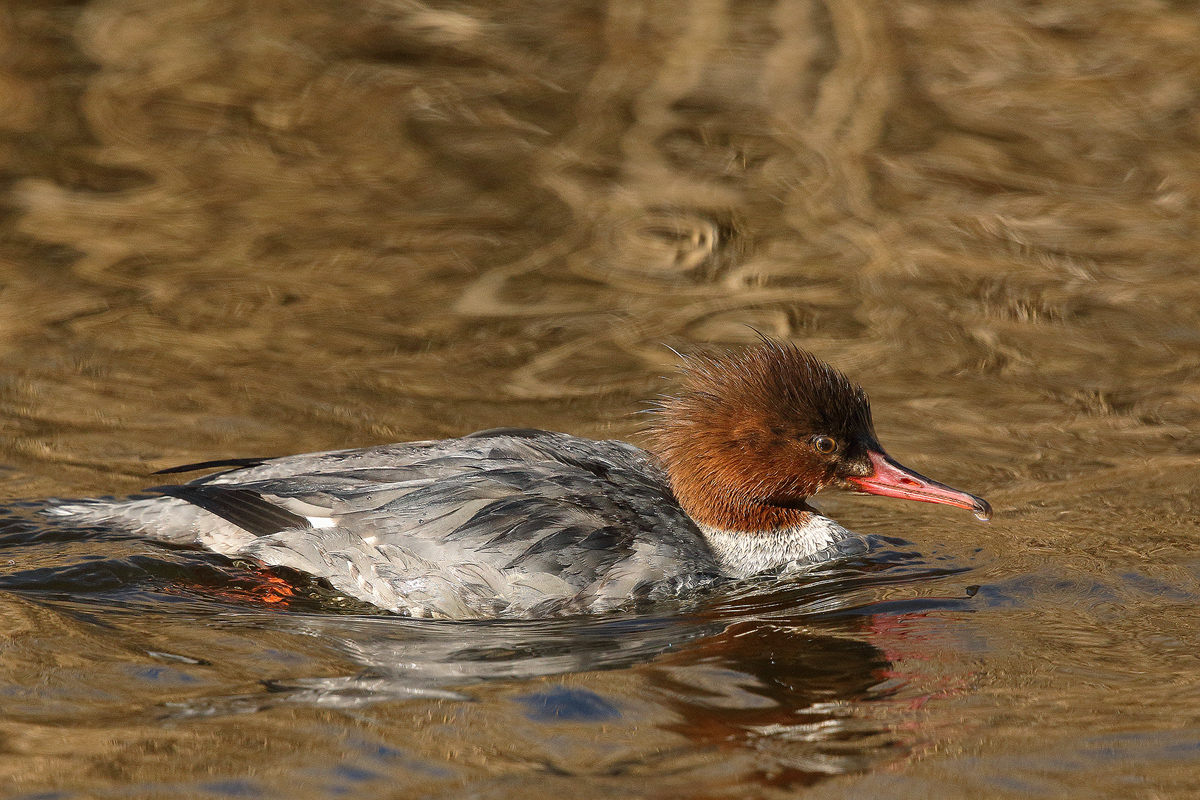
column 262, row 228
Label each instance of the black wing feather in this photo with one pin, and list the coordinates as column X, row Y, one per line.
column 236, row 463
column 244, row 508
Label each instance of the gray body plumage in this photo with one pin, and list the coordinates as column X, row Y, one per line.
column 507, row 523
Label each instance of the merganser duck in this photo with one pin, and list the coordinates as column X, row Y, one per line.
column 522, row 523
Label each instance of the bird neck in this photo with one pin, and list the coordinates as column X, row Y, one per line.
column 741, row 555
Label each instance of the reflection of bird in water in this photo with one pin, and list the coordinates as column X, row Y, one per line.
column 788, row 690
column 525, row 523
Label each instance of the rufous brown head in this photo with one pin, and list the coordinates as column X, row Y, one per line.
column 752, row 435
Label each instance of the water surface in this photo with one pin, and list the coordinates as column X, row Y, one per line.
column 259, row 229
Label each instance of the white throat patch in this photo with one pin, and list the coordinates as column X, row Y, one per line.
column 744, row 554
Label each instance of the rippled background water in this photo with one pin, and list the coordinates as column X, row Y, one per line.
column 262, row 228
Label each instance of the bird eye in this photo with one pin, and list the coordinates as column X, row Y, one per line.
column 825, row 445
